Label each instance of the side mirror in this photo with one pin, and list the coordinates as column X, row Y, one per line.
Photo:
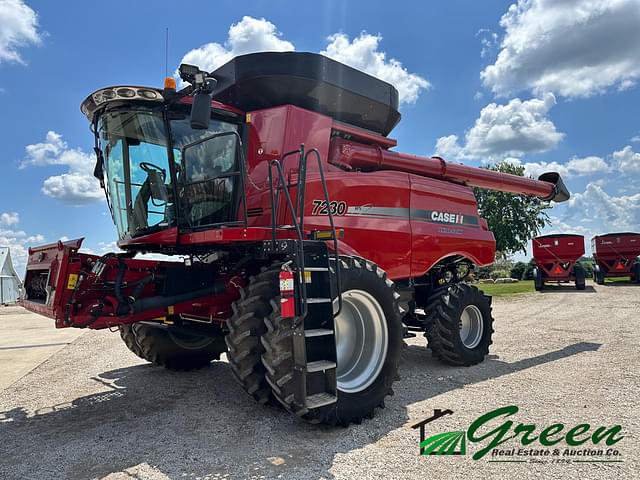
column 201, row 111
column 202, row 86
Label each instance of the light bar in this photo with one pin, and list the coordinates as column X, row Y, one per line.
column 111, row 94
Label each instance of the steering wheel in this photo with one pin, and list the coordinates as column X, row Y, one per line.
column 150, row 167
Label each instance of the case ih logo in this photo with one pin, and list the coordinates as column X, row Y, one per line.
column 445, row 217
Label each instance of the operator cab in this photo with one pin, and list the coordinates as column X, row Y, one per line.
column 161, row 168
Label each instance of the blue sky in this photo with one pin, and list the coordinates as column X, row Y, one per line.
column 549, row 85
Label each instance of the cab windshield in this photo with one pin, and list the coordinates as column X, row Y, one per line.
column 157, row 178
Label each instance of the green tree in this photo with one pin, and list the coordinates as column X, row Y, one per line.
column 513, row 219
column 517, row 270
column 528, row 271
column 587, row 264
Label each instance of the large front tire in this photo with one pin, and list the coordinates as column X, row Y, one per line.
column 246, row 326
column 459, row 325
column 172, row 350
column 368, row 342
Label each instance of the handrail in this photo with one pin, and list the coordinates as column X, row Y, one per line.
column 297, row 212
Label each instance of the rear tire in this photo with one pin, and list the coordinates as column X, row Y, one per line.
column 459, row 325
column 579, row 274
column 538, row 281
column 246, row 326
column 368, row 296
column 173, row 350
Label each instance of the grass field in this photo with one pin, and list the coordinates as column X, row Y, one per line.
column 506, row 289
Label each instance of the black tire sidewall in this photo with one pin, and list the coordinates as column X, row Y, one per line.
column 157, row 346
column 473, row 296
column 538, row 281
column 352, row 405
column 580, row 277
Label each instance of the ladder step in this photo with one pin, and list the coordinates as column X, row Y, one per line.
column 317, row 332
column 316, row 269
column 319, row 300
column 320, row 400
column 320, row 365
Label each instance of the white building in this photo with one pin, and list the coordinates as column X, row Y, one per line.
column 9, row 281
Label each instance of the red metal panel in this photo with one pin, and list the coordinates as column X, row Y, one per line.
column 166, row 237
column 555, row 255
column 616, row 252
column 373, row 209
column 445, row 223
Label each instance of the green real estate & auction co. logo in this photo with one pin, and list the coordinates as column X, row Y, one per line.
column 555, row 442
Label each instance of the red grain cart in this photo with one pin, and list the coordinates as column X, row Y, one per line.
column 615, row 255
column 556, row 257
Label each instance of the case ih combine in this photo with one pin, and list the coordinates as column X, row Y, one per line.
column 556, row 257
column 615, row 255
column 309, row 247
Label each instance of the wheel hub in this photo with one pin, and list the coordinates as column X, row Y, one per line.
column 471, row 326
column 361, row 341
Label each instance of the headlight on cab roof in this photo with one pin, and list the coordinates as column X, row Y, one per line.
column 110, row 94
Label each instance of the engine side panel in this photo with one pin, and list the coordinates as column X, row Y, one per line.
column 444, row 223
column 373, row 210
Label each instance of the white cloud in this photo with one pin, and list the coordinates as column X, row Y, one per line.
column 18, row 243
column 259, row 35
column 559, row 227
column 636, row 138
column 512, row 129
column 626, row 160
column 574, row 167
column 535, row 169
column 449, row 148
column 362, row 53
column 576, row 48
column 18, row 28
column 588, row 166
column 250, row 35
column 488, row 40
column 9, row 218
column 611, row 213
column 78, row 186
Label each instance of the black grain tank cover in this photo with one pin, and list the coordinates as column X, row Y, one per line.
column 311, row 81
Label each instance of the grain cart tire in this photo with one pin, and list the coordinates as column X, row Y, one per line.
column 579, row 274
column 459, row 325
column 538, row 281
column 246, row 326
column 367, row 365
column 636, row 269
column 177, row 350
column 598, row 272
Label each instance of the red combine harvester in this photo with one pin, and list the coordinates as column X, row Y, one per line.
column 556, row 257
column 307, row 249
column 616, row 255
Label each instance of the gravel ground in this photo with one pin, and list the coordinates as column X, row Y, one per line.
column 94, row 410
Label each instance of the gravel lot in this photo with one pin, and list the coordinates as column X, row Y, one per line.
column 94, row 410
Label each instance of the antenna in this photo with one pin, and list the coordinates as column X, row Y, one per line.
column 166, row 54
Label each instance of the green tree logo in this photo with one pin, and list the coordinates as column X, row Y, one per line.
column 448, row 443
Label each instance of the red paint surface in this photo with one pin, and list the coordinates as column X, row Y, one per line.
column 616, row 253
